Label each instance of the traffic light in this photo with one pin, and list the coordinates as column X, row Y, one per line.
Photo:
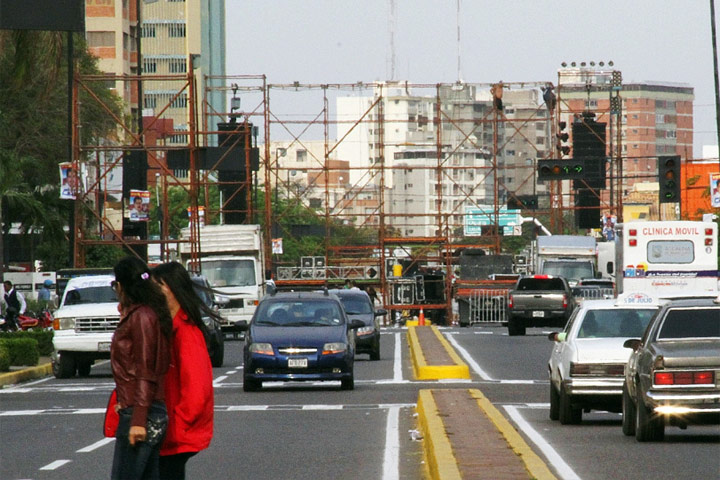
column 669, row 178
column 563, row 148
column 527, row 202
column 561, row 169
column 588, row 137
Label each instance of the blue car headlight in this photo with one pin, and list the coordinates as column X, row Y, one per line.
column 333, row 348
column 262, row 349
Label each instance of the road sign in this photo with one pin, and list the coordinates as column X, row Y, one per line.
column 477, row 217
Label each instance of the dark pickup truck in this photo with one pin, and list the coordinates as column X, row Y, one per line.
column 539, row 301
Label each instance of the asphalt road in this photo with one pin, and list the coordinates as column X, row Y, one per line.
column 51, row 429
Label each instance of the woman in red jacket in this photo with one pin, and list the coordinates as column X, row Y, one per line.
column 188, row 383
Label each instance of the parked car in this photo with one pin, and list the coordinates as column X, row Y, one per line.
column 673, row 374
column 214, row 338
column 587, row 362
column 299, row 336
column 357, row 305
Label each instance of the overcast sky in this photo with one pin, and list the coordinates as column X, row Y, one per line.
column 346, row 41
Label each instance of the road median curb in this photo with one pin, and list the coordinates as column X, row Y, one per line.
column 425, row 370
column 30, row 373
column 438, row 451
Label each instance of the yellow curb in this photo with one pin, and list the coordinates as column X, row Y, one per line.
column 416, row 323
column 30, row 373
column 438, row 451
column 533, row 463
column 423, row 371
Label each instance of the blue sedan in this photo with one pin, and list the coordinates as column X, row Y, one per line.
column 299, row 336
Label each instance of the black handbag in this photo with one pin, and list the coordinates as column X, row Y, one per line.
column 157, row 423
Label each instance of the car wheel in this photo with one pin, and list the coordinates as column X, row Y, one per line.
column 218, row 354
column 347, row 383
column 567, row 414
column 84, row 368
column 628, row 413
column 648, row 426
column 251, row 384
column 375, row 352
column 65, row 366
column 554, row 402
column 514, row 327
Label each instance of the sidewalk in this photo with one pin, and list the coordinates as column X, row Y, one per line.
column 22, row 374
column 464, row 435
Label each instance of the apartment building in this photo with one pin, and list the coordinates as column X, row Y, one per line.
column 174, row 33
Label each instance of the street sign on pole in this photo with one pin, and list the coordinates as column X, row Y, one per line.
column 478, row 216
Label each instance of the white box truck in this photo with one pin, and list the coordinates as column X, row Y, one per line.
column 571, row 256
column 232, row 259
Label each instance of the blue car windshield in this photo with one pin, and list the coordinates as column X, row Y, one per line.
column 299, row 313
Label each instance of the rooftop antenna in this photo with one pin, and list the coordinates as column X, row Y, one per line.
column 392, row 24
column 459, row 71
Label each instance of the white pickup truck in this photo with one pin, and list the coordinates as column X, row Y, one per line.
column 84, row 325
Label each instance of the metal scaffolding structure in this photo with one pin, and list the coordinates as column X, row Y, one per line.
column 453, row 137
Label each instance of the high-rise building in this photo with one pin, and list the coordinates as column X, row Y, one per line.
column 173, row 34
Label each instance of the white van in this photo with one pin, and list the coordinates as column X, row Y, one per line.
column 84, row 325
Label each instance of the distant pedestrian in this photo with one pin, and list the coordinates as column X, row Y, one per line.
column 270, row 286
column 188, row 384
column 139, row 358
column 372, row 294
column 14, row 305
column 348, row 284
column 44, row 295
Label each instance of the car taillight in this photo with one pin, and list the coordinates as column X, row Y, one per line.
column 684, row 378
column 565, row 304
column 596, row 369
column 510, row 301
column 579, row 369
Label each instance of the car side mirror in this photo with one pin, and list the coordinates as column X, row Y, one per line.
column 633, row 343
column 380, row 312
column 242, row 326
column 557, row 336
column 355, row 324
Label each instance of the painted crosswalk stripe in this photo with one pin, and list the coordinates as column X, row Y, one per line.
column 55, row 465
column 96, row 445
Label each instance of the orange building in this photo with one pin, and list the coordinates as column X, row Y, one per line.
column 695, row 193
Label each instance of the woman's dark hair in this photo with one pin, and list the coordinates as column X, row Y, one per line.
column 178, row 280
column 134, row 277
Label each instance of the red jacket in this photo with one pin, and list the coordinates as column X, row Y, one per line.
column 188, row 390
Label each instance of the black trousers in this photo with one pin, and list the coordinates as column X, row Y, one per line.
column 140, row 462
column 172, row 467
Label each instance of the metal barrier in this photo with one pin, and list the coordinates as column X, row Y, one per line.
column 593, row 293
column 483, row 306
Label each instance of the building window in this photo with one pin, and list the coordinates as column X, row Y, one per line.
column 176, row 30
column 150, row 102
column 301, row 155
column 179, row 102
column 659, row 118
column 101, row 39
column 149, row 66
column 315, row 203
column 177, row 66
column 148, row 31
column 671, row 134
column 176, row 1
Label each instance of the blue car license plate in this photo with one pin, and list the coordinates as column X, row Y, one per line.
column 297, row 362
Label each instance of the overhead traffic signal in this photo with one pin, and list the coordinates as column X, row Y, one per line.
column 563, row 148
column 669, row 178
column 518, row 202
column 588, row 138
column 561, row 169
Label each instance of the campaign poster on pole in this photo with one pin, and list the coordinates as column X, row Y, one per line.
column 139, row 205
column 715, row 190
column 69, row 181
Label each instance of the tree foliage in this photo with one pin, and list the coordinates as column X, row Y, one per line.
column 33, row 134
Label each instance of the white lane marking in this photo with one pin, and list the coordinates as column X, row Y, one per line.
column 242, row 408
column 322, row 407
column 563, row 469
column 470, row 361
column 397, row 365
column 86, row 411
column 218, row 380
column 520, row 382
column 20, row 413
column 28, row 384
column 391, row 459
column 55, row 465
column 96, row 445
column 230, row 372
column 76, row 389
